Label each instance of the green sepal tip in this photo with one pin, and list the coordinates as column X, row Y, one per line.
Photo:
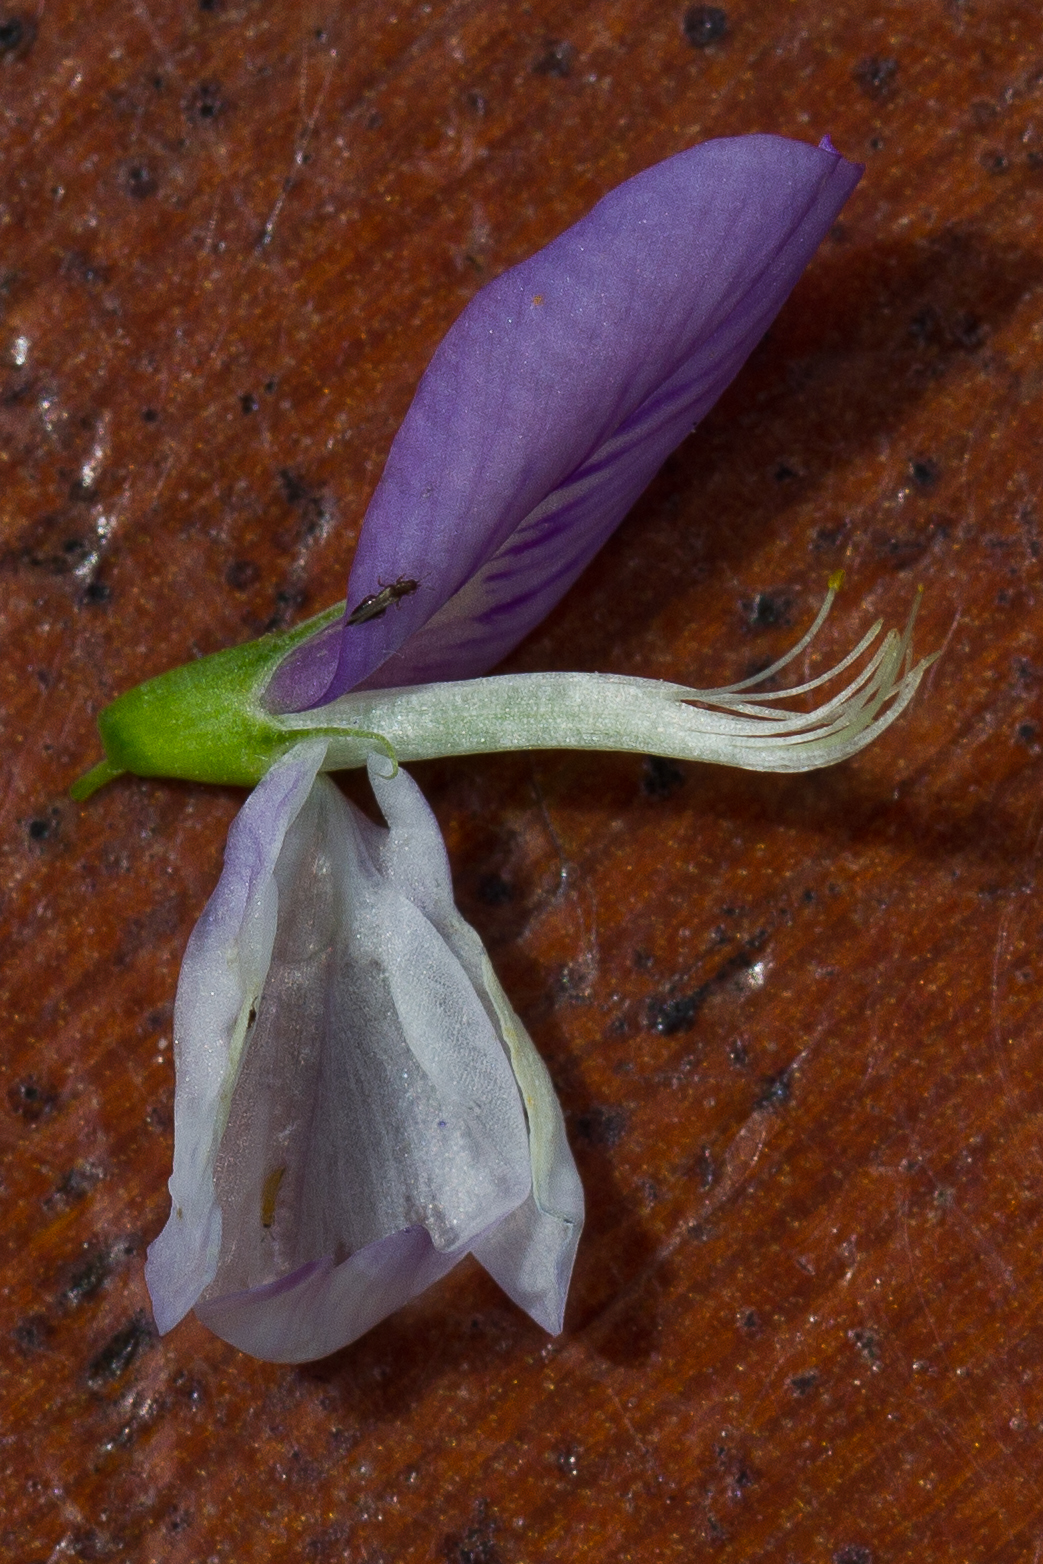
column 204, row 721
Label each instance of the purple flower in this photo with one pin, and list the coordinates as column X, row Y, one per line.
column 357, row 1105
column 556, row 396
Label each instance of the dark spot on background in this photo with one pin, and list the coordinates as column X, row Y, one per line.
column 248, row 402
column 803, row 1384
column 750, row 1322
column 140, row 181
column 494, row 890
column 994, row 161
column 477, row 1544
column 767, row 610
column 32, row 1334
column 76, row 1184
column 852, row 1556
column 206, row 103
column 1028, row 732
column 32, row 1099
column 97, row 592
column 242, row 574
column 924, row 472
column 294, row 489
column 704, row 25
column 88, row 1278
column 776, row 1090
column 17, row 35
column 784, row 474
column 667, row 1017
column 149, row 415
column 867, row 1342
column 875, row 75
column 556, row 60
column 598, row 1126
column 660, row 777
column 40, row 829
column 119, row 1352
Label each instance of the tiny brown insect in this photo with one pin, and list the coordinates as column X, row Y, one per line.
column 378, row 603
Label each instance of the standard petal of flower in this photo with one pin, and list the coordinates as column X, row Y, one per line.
column 220, row 985
column 558, row 393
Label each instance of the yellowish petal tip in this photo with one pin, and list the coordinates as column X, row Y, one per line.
column 836, row 581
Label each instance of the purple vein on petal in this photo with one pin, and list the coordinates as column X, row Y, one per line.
column 557, row 395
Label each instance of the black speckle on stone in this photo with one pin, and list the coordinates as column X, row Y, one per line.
column 599, row 1126
column 494, row 890
column 876, row 75
column 969, row 333
column 32, row 1099
column 88, row 1278
column 1028, row 732
column 1034, row 159
column 17, row 34
column 851, row 1555
column 867, row 1342
column 784, row 473
column 876, row 143
column 704, row 1168
column 149, row 415
column 242, row 574
column 661, row 777
column 807, row 897
column 750, row 1322
column 119, row 1352
column 140, row 181
column 924, row 472
column 248, row 402
column 32, row 1334
column 206, row 103
column 767, row 610
column 670, row 1016
column 209, row 5
column 294, row 489
column 476, row 102
column 704, row 25
column 776, row 1090
column 269, row 387
column 76, row 1184
column 40, row 829
column 803, row 1384
column 925, row 326
column 993, row 161
column 97, row 592
column 556, row 60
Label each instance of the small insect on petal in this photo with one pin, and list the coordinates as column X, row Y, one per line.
column 376, row 605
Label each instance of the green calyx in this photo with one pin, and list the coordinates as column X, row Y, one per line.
column 204, row 721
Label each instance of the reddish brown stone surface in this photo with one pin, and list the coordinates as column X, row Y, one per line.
column 806, row 1321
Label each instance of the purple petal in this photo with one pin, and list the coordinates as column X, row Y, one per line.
column 321, row 1306
column 558, row 393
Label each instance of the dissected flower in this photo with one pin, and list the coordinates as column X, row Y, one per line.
column 357, row 1105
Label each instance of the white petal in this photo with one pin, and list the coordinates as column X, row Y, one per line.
column 221, row 980
column 532, row 1251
